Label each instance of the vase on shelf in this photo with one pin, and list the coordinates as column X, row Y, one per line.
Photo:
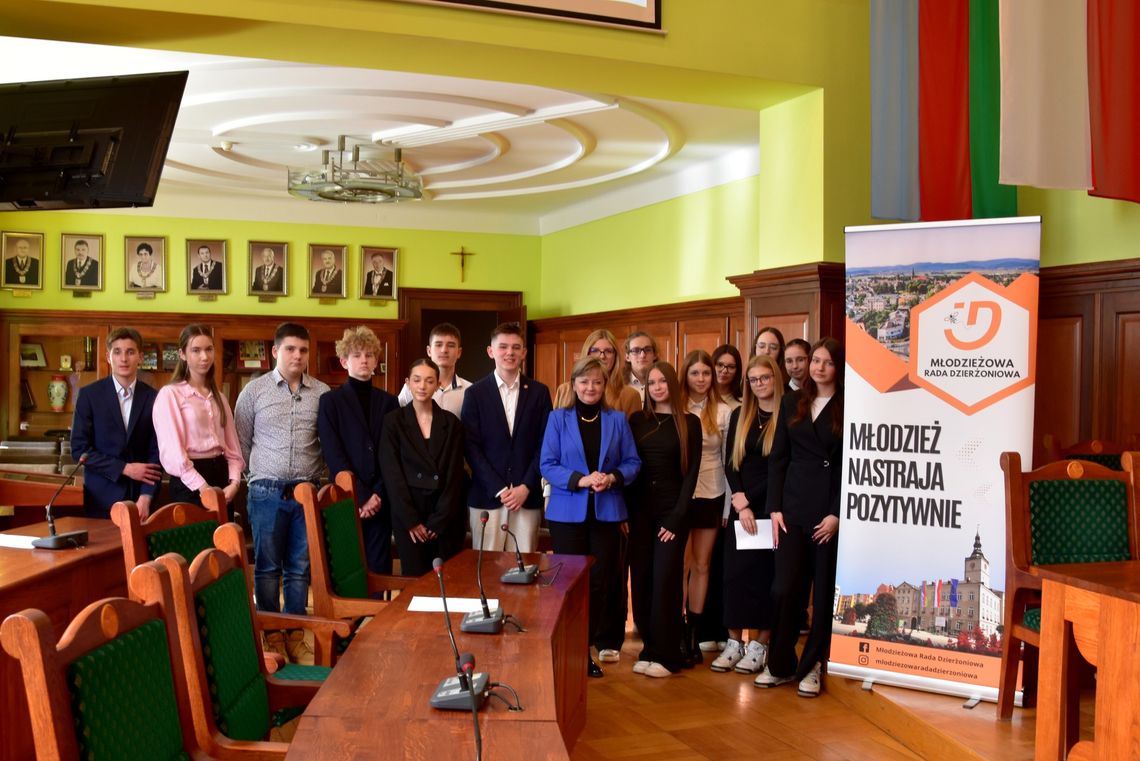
column 88, row 353
column 57, row 392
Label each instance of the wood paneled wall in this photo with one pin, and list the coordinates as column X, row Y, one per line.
column 1088, row 350
column 1088, row 338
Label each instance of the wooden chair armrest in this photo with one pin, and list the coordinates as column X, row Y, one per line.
column 378, row 582
column 350, row 607
column 273, row 661
column 226, row 749
column 290, row 693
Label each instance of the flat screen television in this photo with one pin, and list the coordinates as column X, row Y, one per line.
column 86, row 143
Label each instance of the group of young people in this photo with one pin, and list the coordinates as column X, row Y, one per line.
column 643, row 467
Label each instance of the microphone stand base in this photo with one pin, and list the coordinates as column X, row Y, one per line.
column 525, row 575
column 65, row 541
column 451, row 695
column 475, row 623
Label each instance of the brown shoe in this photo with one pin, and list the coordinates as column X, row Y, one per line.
column 275, row 643
column 299, row 649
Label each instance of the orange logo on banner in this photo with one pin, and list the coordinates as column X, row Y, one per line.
column 985, row 300
column 971, row 320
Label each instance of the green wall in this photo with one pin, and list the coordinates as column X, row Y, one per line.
column 1077, row 228
column 676, row 250
column 501, row 262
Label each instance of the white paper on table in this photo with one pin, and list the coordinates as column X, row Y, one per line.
column 454, row 604
column 17, row 542
column 761, row 541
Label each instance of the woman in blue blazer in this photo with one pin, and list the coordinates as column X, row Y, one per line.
column 588, row 455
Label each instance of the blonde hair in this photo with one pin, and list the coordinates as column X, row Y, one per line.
column 615, row 380
column 360, row 338
column 584, row 366
column 712, row 400
column 750, row 407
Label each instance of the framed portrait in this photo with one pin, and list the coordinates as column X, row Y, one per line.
column 629, row 14
column 378, row 268
column 81, row 262
column 169, row 357
column 149, row 357
column 23, row 260
column 326, row 271
column 32, row 355
column 145, row 257
column 253, row 355
column 205, row 266
column 268, row 268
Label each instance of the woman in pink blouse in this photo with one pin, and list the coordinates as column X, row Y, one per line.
column 197, row 441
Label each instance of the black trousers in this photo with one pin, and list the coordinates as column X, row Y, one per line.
column 600, row 540
column 377, row 534
column 215, row 470
column 656, row 589
column 796, row 557
column 611, row 631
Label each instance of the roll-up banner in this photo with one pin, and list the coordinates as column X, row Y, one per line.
column 941, row 347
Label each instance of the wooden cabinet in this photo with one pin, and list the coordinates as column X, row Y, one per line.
column 83, row 335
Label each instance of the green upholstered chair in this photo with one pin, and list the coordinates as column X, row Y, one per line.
column 109, row 688
column 234, row 701
column 181, row 527
column 1106, row 453
column 1071, row 511
column 342, row 586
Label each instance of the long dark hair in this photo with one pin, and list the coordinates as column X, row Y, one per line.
column 734, row 388
column 675, row 403
column 182, row 370
column 779, row 337
column 809, row 391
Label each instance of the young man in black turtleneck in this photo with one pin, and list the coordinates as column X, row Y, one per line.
column 349, row 421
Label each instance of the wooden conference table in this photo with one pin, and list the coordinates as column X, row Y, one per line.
column 1094, row 607
column 375, row 705
column 61, row 583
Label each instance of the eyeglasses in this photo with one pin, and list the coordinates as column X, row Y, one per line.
column 722, row 366
column 761, row 346
column 595, row 351
column 639, row 350
column 762, row 380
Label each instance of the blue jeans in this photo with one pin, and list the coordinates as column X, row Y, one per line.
column 280, row 546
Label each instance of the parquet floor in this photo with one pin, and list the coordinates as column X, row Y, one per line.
column 700, row 714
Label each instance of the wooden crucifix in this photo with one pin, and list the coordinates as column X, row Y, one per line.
column 462, row 254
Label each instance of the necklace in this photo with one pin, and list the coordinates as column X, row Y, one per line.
column 267, row 273
column 327, row 276
column 204, row 271
column 590, row 419
column 81, row 270
column 22, row 269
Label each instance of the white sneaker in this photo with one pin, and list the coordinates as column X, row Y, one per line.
column 733, row 652
column 768, row 679
column 755, row 658
column 809, row 685
column 641, row 666
column 657, row 670
column 609, row 655
column 709, row 646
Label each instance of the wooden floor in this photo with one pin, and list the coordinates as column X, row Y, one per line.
column 700, row 714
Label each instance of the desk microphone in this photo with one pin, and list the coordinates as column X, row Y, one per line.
column 467, row 663
column 54, row 541
column 486, row 621
column 523, row 574
column 452, row 693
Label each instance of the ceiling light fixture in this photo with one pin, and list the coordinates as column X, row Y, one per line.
column 345, row 178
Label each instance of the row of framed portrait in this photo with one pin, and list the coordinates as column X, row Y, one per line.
column 82, row 256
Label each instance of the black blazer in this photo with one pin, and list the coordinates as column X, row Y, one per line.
column 97, row 430
column 752, row 478
column 211, row 282
column 90, row 277
column 383, row 289
column 497, row 458
column 348, row 444
column 805, row 467
column 424, row 479
column 276, row 280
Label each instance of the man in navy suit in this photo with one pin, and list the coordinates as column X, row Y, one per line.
column 504, row 419
column 350, row 421
column 112, row 426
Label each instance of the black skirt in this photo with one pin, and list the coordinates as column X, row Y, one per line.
column 747, row 584
column 706, row 512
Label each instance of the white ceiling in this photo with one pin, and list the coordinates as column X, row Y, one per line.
column 497, row 157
